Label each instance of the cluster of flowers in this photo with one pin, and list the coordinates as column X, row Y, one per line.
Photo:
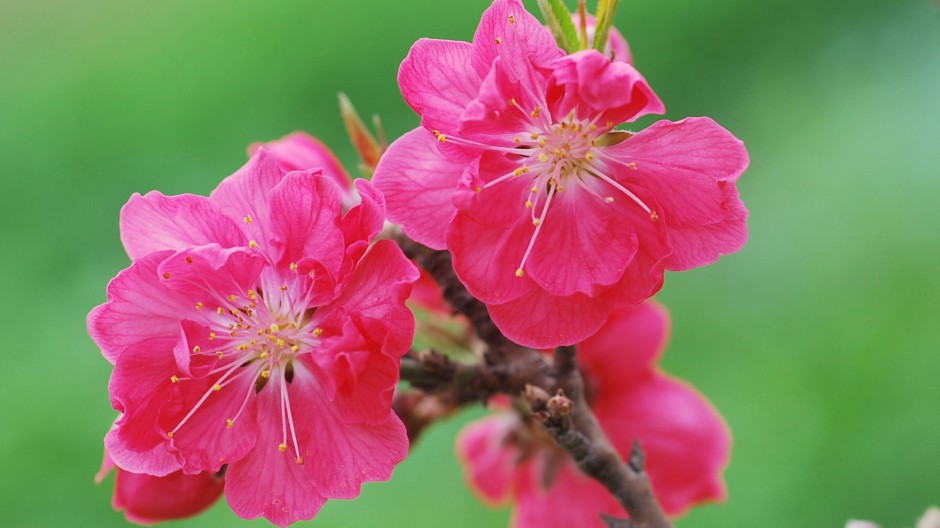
column 257, row 334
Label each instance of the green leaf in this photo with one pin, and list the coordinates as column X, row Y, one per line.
column 605, row 19
column 559, row 21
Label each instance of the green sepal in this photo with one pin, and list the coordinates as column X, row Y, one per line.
column 605, row 20
column 559, row 21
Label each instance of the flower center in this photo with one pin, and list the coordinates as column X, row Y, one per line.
column 256, row 333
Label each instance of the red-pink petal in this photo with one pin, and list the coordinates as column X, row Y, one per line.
column 685, row 440
column 488, row 460
column 342, row 456
column 208, row 272
column 299, row 151
column 205, row 441
column 418, row 183
column 155, row 222
column 572, row 500
column 590, row 84
column 244, row 195
column 366, row 219
column 508, row 31
column 268, row 482
column 140, row 387
column 304, row 221
column 138, row 308
column 437, row 81
column 541, row 320
column 682, row 164
column 488, row 238
column 584, row 242
column 627, row 346
column 700, row 245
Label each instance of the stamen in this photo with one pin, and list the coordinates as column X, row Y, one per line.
column 538, row 229
column 619, row 187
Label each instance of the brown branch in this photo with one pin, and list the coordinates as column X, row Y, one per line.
column 513, row 369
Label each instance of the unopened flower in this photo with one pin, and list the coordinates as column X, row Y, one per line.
column 685, row 441
column 553, row 217
column 260, row 330
column 146, row 499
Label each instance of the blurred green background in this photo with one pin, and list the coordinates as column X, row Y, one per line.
column 820, row 342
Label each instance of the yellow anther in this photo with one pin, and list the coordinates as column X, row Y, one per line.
column 220, row 310
column 535, row 189
column 558, row 152
column 166, row 276
column 294, row 348
column 592, row 127
column 441, row 137
column 632, row 165
column 512, row 102
column 253, row 342
column 537, row 111
column 478, row 189
column 282, row 447
column 274, row 327
column 247, row 219
column 263, row 355
column 560, row 188
column 536, row 222
column 542, row 143
column 233, row 333
column 219, row 353
column 252, row 244
column 251, row 293
column 589, row 156
column 653, row 216
column 232, row 297
column 272, row 338
column 211, row 336
column 199, row 306
column 518, row 172
column 518, row 140
column 169, row 435
column 196, row 349
column 609, row 199
column 499, row 40
column 174, row 379
column 528, row 205
column 189, row 260
column 534, row 137
column 280, row 342
column 293, row 266
column 543, row 158
column 512, row 19
column 525, row 170
column 610, row 124
column 216, row 387
column 519, row 273
column 229, row 423
column 265, row 374
column 283, row 287
column 317, row 332
column 251, row 305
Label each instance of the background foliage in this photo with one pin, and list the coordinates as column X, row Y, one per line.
column 818, row 343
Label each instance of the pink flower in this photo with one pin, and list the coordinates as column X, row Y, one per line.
column 554, row 218
column 146, row 499
column 258, row 329
column 685, row 440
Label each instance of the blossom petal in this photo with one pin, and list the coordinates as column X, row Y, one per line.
column 212, row 273
column 573, row 499
column 703, row 245
column 140, row 387
column 437, row 81
column 205, row 440
column 488, row 460
column 138, row 308
column 342, row 456
column 584, row 242
column 268, row 482
column 596, row 88
column 304, row 220
column 508, row 31
column 300, row 151
column 682, row 163
column 541, row 320
column 418, row 183
column 362, row 222
column 155, row 222
column 378, row 289
column 244, row 194
column 488, row 238
column 627, row 346
column 686, row 442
